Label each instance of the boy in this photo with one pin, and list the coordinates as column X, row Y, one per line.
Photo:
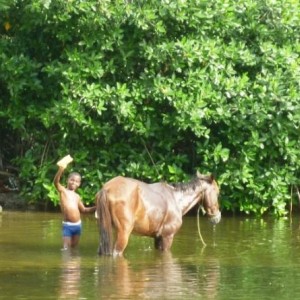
column 71, row 205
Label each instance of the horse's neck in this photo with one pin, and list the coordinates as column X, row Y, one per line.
column 186, row 200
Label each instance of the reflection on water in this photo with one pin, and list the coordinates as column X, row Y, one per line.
column 161, row 277
column 244, row 259
column 70, row 277
column 209, row 283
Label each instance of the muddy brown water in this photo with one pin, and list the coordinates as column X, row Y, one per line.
column 245, row 258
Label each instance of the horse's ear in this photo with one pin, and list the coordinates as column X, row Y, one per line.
column 212, row 177
column 198, row 174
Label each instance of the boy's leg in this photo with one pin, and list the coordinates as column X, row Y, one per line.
column 66, row 242
column 66, row 236
column 76, row 232
column 75, row 240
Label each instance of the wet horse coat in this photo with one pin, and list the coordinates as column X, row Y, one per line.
column 154, row 210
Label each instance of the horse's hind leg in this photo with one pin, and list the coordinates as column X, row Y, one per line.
column 123, row 224
column 121, row 242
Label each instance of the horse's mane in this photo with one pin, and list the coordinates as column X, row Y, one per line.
column 192, row 184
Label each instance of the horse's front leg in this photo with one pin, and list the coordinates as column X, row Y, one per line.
column 158, row 243
column 163, row 243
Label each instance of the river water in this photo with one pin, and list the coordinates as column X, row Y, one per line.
column 245, row 258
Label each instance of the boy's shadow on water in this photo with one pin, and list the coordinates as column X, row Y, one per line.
column 158, row 276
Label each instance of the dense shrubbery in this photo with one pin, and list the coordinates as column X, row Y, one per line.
column 154, row 90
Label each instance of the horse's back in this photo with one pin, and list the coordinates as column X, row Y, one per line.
column 123, row 188
column 120, row 188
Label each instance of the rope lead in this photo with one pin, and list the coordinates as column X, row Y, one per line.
column 198, row 223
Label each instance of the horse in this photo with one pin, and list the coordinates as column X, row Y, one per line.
column 155, row 210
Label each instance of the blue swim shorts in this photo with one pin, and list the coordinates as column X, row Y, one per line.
column 70, row 229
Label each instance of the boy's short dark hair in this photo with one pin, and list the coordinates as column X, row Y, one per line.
column 74, row 174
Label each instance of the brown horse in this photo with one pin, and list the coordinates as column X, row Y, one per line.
column 153, row 210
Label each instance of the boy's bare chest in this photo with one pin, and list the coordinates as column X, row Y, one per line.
column 71, row 197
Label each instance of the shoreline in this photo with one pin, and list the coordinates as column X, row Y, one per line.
column 14, row 201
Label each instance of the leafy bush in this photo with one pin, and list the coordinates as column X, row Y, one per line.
column 154, row 90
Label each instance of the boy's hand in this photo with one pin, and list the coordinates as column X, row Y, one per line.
column 65, row 161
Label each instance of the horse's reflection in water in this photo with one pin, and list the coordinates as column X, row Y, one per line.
column 209, row 278
column 70, row 277
column 161, row 277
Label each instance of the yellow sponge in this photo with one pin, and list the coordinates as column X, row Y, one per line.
column 65, row 161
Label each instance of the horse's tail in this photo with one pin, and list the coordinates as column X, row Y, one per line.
column 104, row 223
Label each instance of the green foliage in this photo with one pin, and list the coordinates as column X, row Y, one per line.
column 154, row 90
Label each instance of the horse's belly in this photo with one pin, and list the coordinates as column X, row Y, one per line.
column 160, row 224
column 144, row 228
column 149, row 225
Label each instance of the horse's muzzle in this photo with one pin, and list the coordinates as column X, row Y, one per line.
column 215, row 219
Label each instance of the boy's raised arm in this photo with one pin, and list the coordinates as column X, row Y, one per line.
column 62, row 164
column 57, row 177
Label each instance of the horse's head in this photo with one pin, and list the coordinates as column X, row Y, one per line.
column 209, row 200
